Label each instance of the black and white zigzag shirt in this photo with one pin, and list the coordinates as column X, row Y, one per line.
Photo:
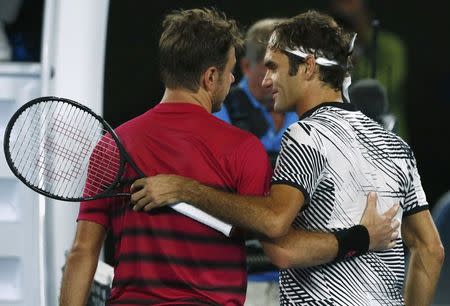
column 335, row 156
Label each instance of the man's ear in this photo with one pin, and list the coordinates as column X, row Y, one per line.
column 310, row 67
column 245, row 66
column 210, row 78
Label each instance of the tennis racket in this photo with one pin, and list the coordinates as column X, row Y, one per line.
column 63, row 150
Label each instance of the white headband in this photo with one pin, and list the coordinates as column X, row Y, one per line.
column 320, row 60
column 348, row 79
column 323, row 61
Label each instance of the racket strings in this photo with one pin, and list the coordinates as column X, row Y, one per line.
column 44, row 160
column 64, row 150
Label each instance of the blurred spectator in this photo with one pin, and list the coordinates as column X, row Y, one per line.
column 390, row 56
column 5, row 49
column 21, row 30
column 9, row 9
column 371, row 99
column 249, row 106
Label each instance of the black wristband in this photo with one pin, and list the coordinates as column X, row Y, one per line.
column 352, row 241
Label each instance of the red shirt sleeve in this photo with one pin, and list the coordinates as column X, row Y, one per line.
column 97, row 211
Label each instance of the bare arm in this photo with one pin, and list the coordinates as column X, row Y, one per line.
column 81, row 264
column 301, row 248
column 426, row 258
column 270, row 216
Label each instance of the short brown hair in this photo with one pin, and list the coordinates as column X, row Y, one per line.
column 193, row 40
column 317, row 32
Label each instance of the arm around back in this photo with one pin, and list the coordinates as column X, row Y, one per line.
column 270, row 216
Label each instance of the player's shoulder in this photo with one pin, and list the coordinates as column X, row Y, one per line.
column 302, row 128
column 130, row 128
column 227, row 140
column 401, row 143
column 230, row 133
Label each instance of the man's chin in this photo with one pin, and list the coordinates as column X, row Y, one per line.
column 278, row 108
column 282, row 109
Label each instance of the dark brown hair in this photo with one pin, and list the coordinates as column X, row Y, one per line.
column 319, row 35
column 193, row 40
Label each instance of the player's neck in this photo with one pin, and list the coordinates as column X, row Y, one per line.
column 317, row 97
column 199, row 98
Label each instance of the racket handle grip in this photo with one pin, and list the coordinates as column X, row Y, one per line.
column 202, row 217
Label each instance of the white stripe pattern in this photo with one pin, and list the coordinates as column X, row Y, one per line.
column 335, row 156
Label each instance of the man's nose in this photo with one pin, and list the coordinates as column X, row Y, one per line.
column 267, row 81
